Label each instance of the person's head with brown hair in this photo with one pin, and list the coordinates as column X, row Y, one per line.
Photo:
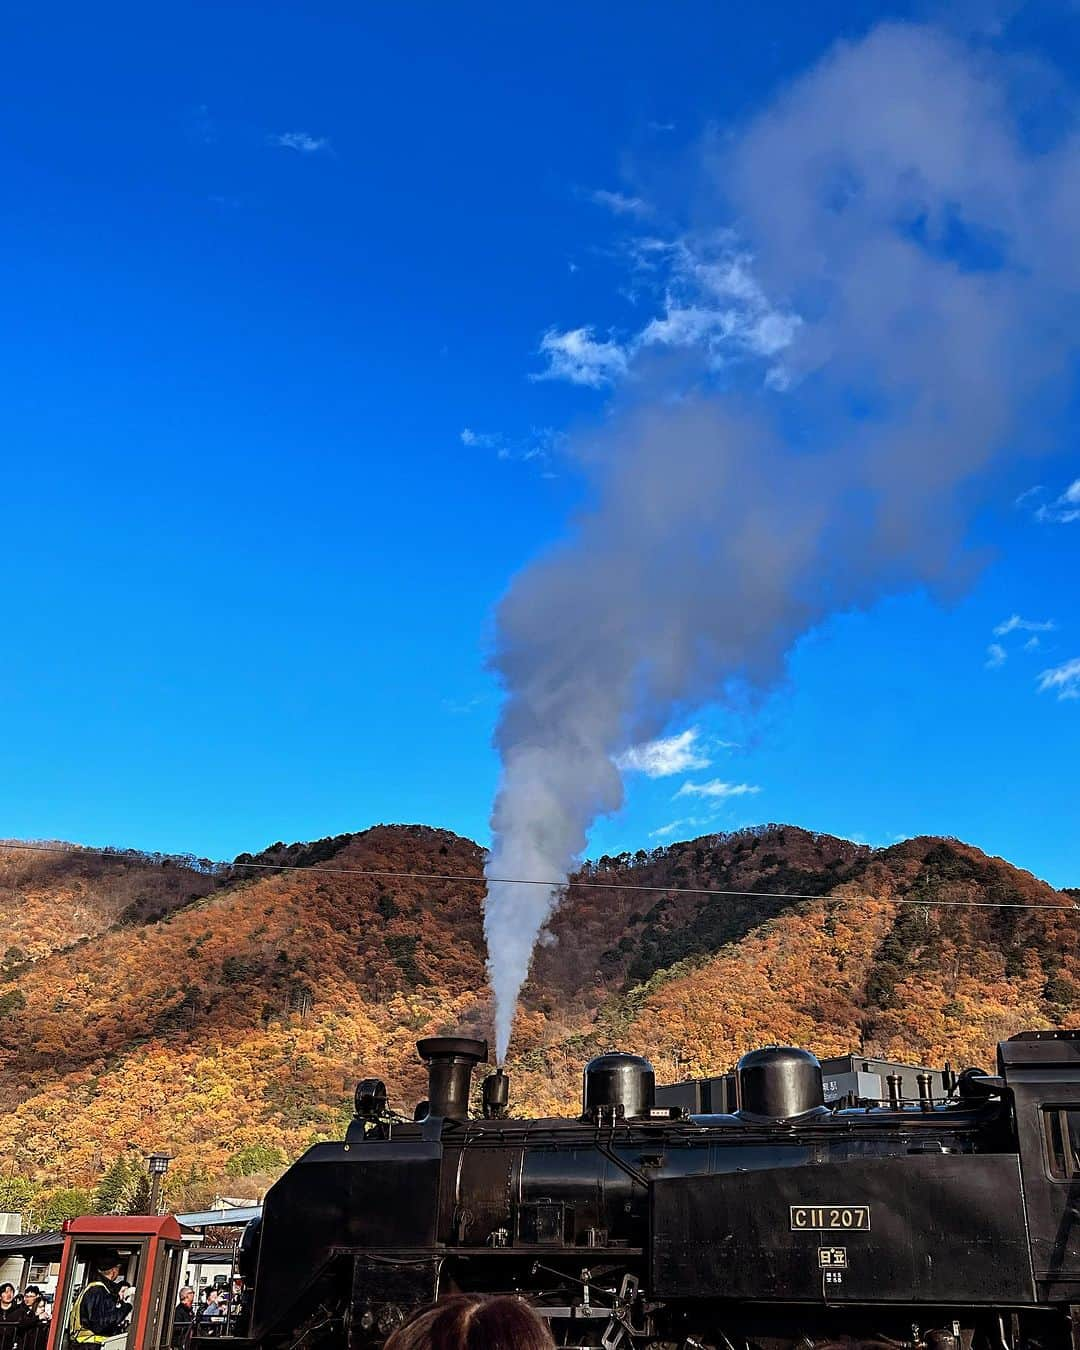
column 467, row 1322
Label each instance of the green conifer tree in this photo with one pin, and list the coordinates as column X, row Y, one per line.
column 114, row 1188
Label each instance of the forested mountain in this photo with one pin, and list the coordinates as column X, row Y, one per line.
column 225, row 1014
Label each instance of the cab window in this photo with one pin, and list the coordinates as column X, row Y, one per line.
column 1061, row 1130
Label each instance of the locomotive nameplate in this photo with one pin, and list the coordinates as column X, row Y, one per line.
column 826, row 1218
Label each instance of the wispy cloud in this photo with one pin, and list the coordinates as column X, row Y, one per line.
column 661, row 126
column 1064, row 510
column 997, row 653
column 686, row 823
column 717, row 790
column 459, row 707
column 708, row 299
column 713, row 299
column 300, row 141
column 1015, row 624
column 542, row 443
column 482, row 440
column 580, row 357
column 1063, row 680
column 620, row 203
column 666, row 756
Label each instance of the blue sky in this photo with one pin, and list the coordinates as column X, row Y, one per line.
column 276, row 293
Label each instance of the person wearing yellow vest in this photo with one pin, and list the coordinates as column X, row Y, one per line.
column 99, row 1314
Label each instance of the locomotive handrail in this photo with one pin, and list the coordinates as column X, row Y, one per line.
column 621, row 1163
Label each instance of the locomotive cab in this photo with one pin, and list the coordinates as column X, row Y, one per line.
column 1041, row 1069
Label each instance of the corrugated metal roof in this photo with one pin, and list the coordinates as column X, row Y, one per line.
column 221, row 1218
column 13, row 1243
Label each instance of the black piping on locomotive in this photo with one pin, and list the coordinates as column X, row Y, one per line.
column 943, row 1225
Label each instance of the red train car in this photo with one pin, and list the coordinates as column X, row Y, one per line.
column 151, row 1252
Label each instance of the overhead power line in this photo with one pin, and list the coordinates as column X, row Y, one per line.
column 574, row 883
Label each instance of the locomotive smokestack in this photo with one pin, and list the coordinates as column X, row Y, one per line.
column 496, row 1094
column 450, row 1061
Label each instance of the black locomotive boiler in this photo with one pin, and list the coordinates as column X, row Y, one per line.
column 941, row 1225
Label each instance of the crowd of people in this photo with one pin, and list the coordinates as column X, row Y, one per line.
column 24, row 1317
column 101, row 1311
column 213, row 1313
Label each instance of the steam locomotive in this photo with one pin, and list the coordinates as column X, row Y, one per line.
column 947, row 1224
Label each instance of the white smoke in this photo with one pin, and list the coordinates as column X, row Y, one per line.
column 896, row 200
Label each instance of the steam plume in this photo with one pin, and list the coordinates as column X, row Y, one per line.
column 889, row 198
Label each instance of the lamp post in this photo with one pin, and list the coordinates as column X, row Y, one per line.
column 158, row 1165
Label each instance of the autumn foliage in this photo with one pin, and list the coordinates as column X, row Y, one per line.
column 226, row 1015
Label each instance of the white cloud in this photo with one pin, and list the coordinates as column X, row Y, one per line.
column 680, row 327
column 708, row 300
column 482, row 440
column 996, row 656
column 716, row 789
column 1067, row 507
column 1063, row 510
column 1064, row 680
column 620, row 203
column 579, row 357
column 540, row 444
column 1015, row 624
column 667, row 756
column 665, row 830
column 687, row 822
column 301, row 141
column 713, row 300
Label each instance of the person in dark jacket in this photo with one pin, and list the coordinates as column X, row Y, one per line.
column 35, row 1303
column 36, row 1328
column 13, row 1316
column 99, row 1312
column 184, row 1317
